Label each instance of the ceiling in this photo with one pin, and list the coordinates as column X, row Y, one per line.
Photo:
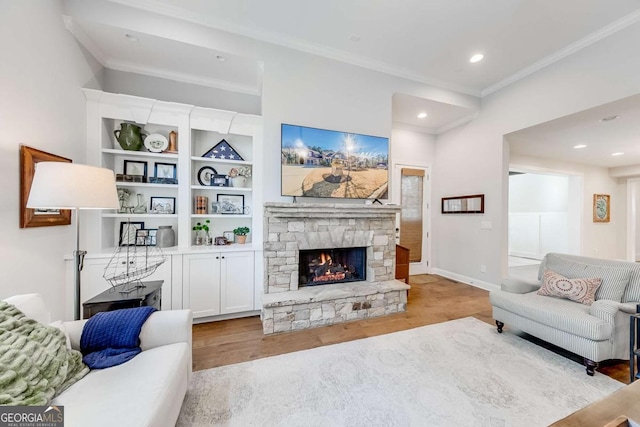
column 556, row 139
column 429, row 41
column 426, row 41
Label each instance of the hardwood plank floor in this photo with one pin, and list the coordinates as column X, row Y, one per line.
column 432, row 299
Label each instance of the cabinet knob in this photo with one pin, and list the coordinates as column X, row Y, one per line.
column 222, row 257
column 217, row 257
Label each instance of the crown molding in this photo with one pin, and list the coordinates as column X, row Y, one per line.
column 587, row 41
column 84, row 39
column 181, row 77
column 296, row 44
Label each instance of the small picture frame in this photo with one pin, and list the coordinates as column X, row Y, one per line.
column 163, row 205
column 601, row 208
column 146, row 237
column 165, row 170
column 205, row 174
column 232, row 204
column 228, row 235
column 135, row 167
column 129, row 232
column 219, row 181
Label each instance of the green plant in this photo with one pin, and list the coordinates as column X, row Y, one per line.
column 241, row 231
column 200, row 226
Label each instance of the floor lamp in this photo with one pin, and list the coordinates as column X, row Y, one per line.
column 58, row 185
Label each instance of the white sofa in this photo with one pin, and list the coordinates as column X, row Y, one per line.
column 148, row 390
column 597, row 332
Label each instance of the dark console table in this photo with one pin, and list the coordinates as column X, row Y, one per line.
column 114, row 299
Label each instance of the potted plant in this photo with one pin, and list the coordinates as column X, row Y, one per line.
column 207, row 237
column 241, row 234
column 238, row 176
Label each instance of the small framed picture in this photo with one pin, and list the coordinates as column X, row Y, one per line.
column 135, row 167
column 231, row 203
column 601, row 208
column 163, row 205
column 165, row 170
column 219, row 181
column 146, row 237
column 128, row 232
column 205, row 174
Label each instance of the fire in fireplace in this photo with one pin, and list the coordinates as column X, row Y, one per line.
column 325, row 266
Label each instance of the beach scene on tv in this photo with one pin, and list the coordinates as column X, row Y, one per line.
column 326, row 163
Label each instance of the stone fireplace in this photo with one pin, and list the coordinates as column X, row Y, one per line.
column 328, row 263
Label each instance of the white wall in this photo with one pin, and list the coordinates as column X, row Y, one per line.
column 532, row 192
column 602, row 240
column 173, row 91
column 603, row 72
column 538, row 220
column 42, row 71
column 414, row 149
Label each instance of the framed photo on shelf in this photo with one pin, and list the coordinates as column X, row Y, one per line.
column 163, row 205
column 231, row 203
column 205, row 174
column 165, row 170
column 219, row 181
column 135, row 167
column 29, row 157
column 129, row 232
column 146, row 237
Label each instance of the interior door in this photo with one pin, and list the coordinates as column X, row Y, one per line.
column 410, row 190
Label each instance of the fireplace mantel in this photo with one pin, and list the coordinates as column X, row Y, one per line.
column 329, row 210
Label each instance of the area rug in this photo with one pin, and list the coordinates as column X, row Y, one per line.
column 458, row 373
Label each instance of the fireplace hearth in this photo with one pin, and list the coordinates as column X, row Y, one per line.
column 337, row 265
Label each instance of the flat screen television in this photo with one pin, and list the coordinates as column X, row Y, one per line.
column 328, row 163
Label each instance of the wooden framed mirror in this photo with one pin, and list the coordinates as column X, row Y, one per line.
column 463, row 204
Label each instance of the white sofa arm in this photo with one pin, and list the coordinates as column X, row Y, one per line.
column 166, row 327
column 161, row 328
column 605, row 309
column 519, row 286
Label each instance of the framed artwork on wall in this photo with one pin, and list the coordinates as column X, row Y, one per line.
column 29, row 157
column 601, row 208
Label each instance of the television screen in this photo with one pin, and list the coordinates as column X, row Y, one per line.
column 327, row 163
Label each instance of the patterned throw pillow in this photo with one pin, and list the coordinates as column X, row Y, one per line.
column 581, row 290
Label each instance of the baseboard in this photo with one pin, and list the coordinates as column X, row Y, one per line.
column 226, row 317
column 529, row 255
column 465, row 279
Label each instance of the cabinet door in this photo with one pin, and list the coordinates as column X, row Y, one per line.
column 201, row 284
column 236, row 293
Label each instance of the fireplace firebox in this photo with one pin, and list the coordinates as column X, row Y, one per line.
column 325, row 266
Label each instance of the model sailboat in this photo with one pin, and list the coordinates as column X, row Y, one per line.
column 132, row 263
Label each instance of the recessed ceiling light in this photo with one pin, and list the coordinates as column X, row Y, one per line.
column 579, row 146
column 476, row 58
column 617, row 154
column 422, row 115
column 221, row 58
column 131, row 37
column 609, row 118
column 354, row 38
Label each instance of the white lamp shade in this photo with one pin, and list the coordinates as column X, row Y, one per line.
column 59, row 185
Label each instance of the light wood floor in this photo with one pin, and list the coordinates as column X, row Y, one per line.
column 432, row 299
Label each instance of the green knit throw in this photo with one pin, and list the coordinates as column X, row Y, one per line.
column 35, row 364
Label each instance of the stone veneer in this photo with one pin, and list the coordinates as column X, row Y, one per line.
column 290, row 227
